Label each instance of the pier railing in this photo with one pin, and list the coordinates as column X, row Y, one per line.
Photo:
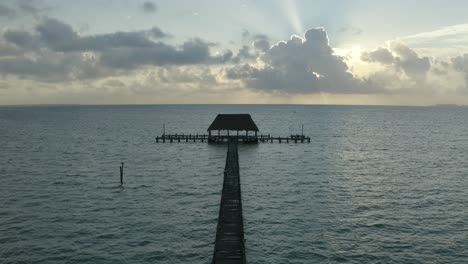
column 179, row 138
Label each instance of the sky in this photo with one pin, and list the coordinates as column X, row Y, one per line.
column 357, row 52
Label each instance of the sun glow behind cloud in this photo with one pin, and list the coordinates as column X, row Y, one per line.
column 293, row 16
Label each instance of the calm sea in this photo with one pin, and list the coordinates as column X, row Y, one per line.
column 375, row 185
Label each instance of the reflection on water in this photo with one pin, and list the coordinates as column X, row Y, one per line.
column 376, row 185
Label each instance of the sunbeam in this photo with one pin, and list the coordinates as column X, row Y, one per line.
column 293, row 16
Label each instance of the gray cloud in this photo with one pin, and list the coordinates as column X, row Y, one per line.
column 381, row 55
column 194, row 51
column 260, row 42
column 56, row 50
column 460, row 63
column 128, row 49
column 32, row 7
column 201, row 75
column 59, row 36
column 6, row 11
column 300, row 65
column 20, row 38
column 409, row 60
column 401, row 57
column 44, row 68
column 351, row 30
column 149, row 7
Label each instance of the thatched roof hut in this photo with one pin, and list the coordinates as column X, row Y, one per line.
column 233, row 122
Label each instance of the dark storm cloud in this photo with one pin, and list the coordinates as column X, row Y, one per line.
column 149, row 7
column 300, row 65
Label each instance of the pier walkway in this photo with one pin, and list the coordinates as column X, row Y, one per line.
column 229, row 244
column 225, row 138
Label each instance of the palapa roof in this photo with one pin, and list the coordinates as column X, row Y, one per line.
column 236, row 122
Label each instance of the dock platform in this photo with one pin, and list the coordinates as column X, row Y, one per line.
column 180, row 138
column 230, row 243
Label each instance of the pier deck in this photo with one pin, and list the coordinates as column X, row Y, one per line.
column 229, row 244
column 179, row 138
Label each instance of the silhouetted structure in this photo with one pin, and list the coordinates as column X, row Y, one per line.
column 229, row 244
column 230, row 125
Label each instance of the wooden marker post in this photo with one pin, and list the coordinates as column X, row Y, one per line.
column 121, row 173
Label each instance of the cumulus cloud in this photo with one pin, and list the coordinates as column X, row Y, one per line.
column 381, row 55
column 300, row 65
column 54, row 52
column 400, row 56
column 149, row 7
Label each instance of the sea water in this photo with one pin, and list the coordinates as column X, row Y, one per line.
column 375, row 185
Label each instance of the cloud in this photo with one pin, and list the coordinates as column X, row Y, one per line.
column 6, row 11
column 31, row 7
column 400, row 56
column 193, row 51
column 260, row 42
column 460, row 63
column 351, row 30
column 381, row 55
column 56, row 52
column 59, row 36
column 119, row 49
column 149, row 7
column 300, row 65
column 20, row 38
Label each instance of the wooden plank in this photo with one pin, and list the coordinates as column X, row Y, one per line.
column 229, row 243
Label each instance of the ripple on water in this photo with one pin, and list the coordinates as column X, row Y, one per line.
column 375, row 185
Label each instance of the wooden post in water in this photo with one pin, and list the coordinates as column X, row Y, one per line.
column 121, row 174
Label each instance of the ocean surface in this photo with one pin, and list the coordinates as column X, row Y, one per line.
column 375, row 185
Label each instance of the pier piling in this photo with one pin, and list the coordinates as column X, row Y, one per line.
column 121, row 173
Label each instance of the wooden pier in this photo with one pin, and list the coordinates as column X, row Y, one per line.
column 228, row 127
column 229, row 243
column 180, row 138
